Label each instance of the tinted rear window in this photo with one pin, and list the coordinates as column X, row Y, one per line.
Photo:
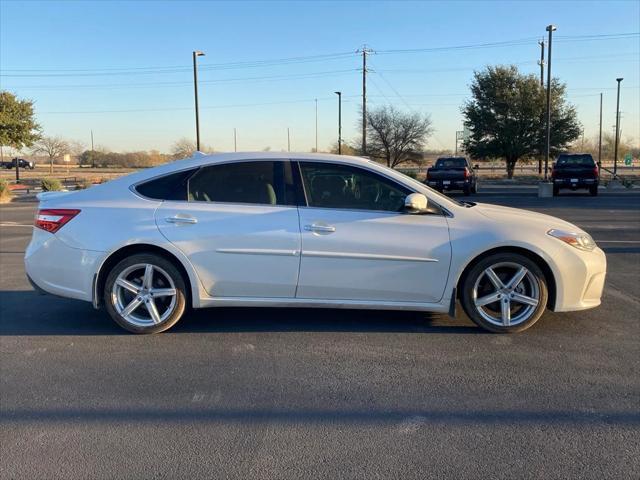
column 451, row 163
column 577, row 160
column 169, row 187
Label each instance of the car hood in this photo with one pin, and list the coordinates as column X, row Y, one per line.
column 517, row 216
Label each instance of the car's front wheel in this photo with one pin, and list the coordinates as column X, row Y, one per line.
column 145, row 293
column 504, row 293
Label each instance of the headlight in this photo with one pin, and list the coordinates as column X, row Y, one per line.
column 582, row 241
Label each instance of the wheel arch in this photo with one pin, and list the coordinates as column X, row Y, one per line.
column 537, row 259
column 127, row 250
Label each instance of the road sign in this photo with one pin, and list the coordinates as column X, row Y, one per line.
column 628, row 160
column 67, row 158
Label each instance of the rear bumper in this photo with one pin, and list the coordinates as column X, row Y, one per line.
column 578, row 183
column 449, row 184
column 54, row 267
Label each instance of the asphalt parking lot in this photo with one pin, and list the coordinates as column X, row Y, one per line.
column 258, row 393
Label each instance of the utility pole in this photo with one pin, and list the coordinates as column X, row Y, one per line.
column 339, row 122
column 364, row 51
column 196, row 54
column 235, row 140
column 288, row 141
column 316, row 125
column 93, row 160
column 541, row 62
column 615, row 148
column 550, row 29
column 600, row 137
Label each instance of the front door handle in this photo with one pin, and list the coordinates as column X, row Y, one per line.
column 314, row 227
column 181, row 219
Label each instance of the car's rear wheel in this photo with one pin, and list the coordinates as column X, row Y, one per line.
column 466, row 191
column 145, row 293
column 556, row 191
column 505, row 293
column 593, row 190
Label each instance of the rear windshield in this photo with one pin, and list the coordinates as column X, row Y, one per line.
column 451, row 163
column 578, row 160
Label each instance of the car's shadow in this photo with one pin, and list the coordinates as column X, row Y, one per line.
column 30, row 313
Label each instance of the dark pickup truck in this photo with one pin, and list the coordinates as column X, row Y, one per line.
column 452, row 173
column 18, row 161
column 575, row 170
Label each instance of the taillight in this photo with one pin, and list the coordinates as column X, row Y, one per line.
column 467, row 173
column 53, row 219
column 595, row 170
column 553, row 172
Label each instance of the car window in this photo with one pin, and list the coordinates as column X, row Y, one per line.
column 341, row 186
column 264, row 183
column 167, row 187
column 578, row 160
column 451, row 163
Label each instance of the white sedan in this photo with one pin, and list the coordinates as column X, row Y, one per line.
column 303, row 230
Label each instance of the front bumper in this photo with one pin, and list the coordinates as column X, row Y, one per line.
column 59, row 269
column 581, row 282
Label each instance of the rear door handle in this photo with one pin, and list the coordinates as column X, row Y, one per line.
column 314, row 227
column 181, row 219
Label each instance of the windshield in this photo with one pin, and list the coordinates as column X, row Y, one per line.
column 451, row 163
column 578, row 160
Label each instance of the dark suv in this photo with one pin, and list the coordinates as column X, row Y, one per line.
column 575, row 170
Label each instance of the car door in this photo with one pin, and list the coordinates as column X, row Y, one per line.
column 239, row 228
column 358, row 244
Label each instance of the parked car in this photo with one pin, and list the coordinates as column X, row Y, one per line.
column 452, row 173
column 303, row 230
column 18, row 161
column 575, row 170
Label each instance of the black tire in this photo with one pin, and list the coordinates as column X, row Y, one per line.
column 160, row 265
column 536, row 287
column 466, row 191
column 556, row 191
column 593, row 190
column 474, row 188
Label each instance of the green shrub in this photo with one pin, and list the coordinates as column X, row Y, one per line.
column 51, row 185
column 5, row 193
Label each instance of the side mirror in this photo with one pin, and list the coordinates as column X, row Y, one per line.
column 415, row 203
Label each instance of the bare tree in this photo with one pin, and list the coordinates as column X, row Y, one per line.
column 53, row 147
column 184, row 148
column 396, row 137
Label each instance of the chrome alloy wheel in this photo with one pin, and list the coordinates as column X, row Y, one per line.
column 144, row 295
column 506, row 294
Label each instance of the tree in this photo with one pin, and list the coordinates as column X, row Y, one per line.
column 396, row 137
column 184, row 148
column 18, row 128
column 53, row 147
column 506, row 116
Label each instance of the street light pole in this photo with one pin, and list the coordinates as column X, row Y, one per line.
column 316, row 125
column 196, row 54
column 339, row 122
column 615, row 148
column 550, row 29
column 600, row 137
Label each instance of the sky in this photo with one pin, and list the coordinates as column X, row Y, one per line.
column 124, row 68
